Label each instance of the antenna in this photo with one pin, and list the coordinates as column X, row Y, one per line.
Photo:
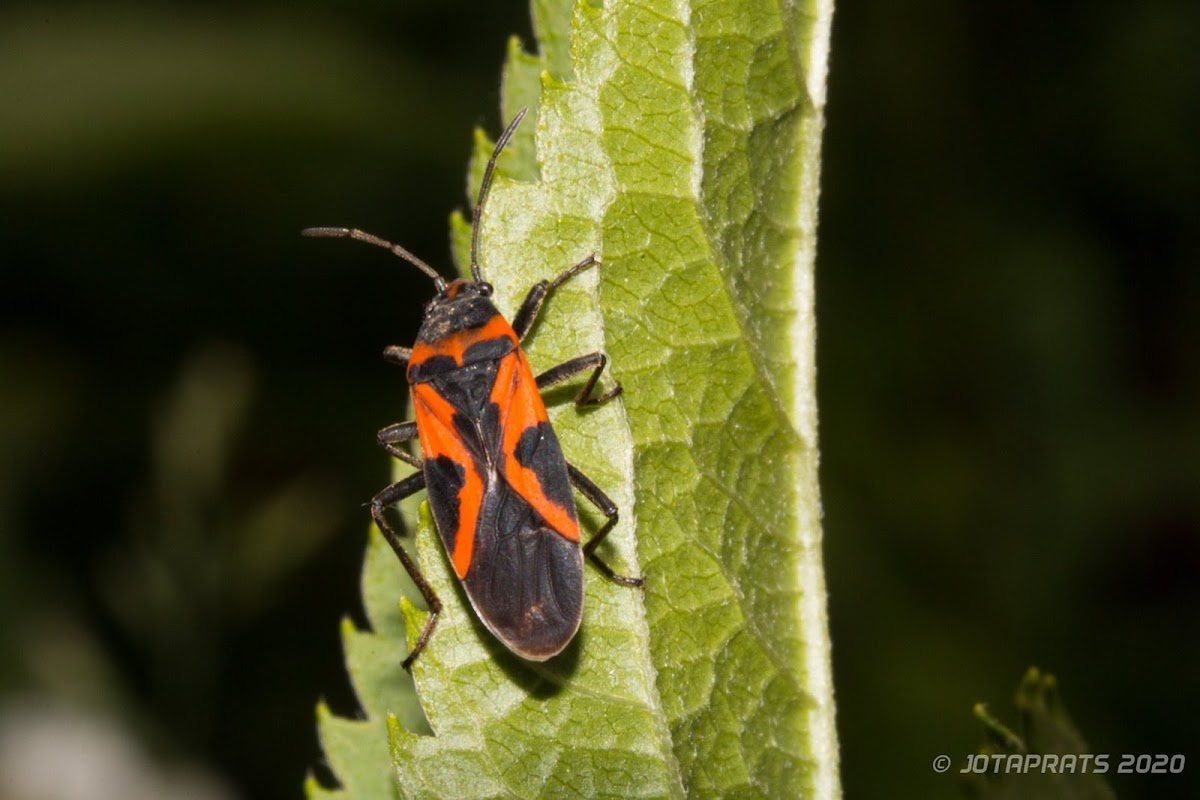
column 483, row 187
column 354, row 233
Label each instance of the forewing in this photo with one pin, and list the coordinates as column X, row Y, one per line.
column 526, row 582
column 453, row 478
column 533, row 462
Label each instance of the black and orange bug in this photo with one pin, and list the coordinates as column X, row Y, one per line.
column 497, row 481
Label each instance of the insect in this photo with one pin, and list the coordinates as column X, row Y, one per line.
column 497, row 481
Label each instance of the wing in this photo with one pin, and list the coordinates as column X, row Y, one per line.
column 525, row 581
column 454, row 478
column 501, row 496
column 532, row 461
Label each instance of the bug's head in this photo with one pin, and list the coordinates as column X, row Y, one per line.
column 461, row 305
column 461, row 289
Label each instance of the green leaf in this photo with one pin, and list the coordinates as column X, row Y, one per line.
column 681, row 145
column 357, row 749
column 1012, row 764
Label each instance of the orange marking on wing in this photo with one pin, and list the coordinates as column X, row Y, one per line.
column 435, row 426
column 515, row 392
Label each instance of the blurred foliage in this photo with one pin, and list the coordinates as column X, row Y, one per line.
column 1008, row 304
column 1008, row 294
column 191, row 391
column 1033, row 763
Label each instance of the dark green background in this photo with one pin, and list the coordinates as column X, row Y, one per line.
column 1008, row 303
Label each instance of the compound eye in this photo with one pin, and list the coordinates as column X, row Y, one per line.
column 485, row 289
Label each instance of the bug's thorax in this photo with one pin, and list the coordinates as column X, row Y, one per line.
column 462, row 327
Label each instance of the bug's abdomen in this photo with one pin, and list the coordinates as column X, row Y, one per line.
column 501, row 496
column 526, row 581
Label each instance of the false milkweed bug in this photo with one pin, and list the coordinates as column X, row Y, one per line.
column 497, row 481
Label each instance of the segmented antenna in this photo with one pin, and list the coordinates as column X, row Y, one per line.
column 354, row 233
column 483, row 187
column 438, row 281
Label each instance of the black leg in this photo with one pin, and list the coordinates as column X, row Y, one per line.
column 529, row 309
column 593, row 361
column 390, row 496
column 603, row 502
column 391, row 437
column 532, row 304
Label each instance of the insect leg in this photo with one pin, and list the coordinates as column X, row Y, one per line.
column 392, row 436
column 593, row 361
column 601, row 501
column 525, row 316
column 390, row 496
